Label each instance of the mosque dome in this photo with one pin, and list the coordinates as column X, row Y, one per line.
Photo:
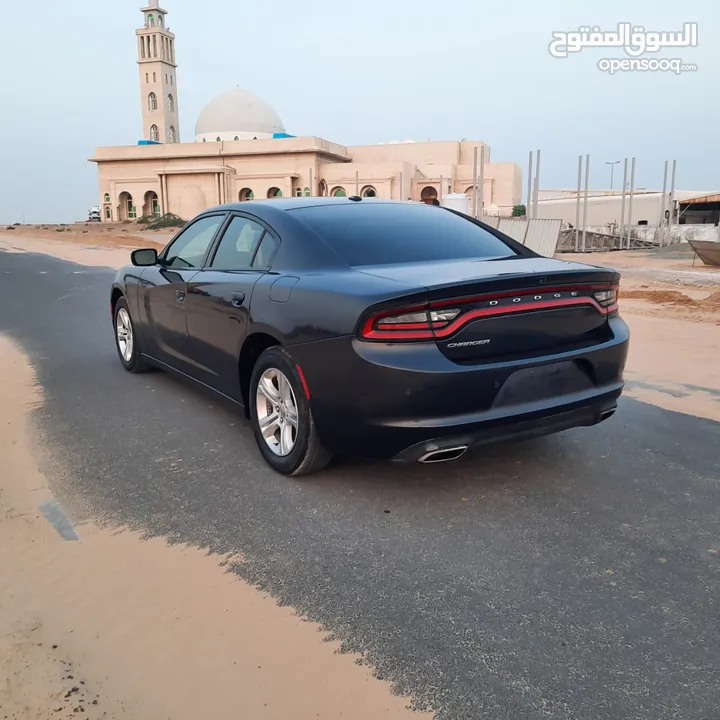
column 237, row 115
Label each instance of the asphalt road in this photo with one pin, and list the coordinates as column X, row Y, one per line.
column 566, row 577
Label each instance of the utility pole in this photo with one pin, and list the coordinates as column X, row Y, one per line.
column 536, row 193
column 585, row 202
column 612, row 165
column 622, row 205
column 528, row 207
column 577, row 204
column 630, row 203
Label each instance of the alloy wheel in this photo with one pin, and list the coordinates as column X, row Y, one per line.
column 277, row 412
column 124, row 334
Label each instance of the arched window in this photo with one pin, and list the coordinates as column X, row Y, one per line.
column 147, row 77
column 108, row 214
column 246, row 194
column 107, row 198
column 151, row 204
column 172, row 135
column 126, row 209
column 151, row 21
column 172, row 80
column 161, row 22
column 274, row 192
column 171, row 103
column 154, row 133
column 428, row 194
column 236, row 137
column 298, row 192
column 369, row 192
column 152, row 101
column 154, row 77
column 338, row 192
column 307, row 192
column 166, row 78
column 218, row 139
column 204, row 139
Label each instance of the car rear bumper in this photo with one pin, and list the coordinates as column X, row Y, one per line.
column 519, row 426
column 401, row 402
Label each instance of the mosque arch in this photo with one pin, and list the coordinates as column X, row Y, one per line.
column 368, row 191
column 152, row 101
column 151, row 205
column 338, row 192
column 154, row 133
column 274, row 192
column 126, row 207
column 245, row 195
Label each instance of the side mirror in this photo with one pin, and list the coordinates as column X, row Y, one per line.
column 144, row 258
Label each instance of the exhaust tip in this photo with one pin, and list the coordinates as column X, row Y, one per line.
column 606, row 414
column 443, row 455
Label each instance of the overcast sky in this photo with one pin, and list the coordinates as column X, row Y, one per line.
column 357, row 73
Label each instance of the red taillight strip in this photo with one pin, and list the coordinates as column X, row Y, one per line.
column 475, row 314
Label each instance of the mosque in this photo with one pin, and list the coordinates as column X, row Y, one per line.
column 241, row 151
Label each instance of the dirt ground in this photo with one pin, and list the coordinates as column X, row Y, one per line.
column 115, row 626
column 84, row 626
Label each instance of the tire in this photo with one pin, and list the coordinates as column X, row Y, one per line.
column 132, row 359
column 292, row 449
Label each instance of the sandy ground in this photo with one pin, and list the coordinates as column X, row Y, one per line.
column 109, row 625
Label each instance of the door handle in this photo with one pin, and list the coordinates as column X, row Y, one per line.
column 180, row 295
column 238, row 298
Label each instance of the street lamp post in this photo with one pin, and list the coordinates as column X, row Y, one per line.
column 612, row 170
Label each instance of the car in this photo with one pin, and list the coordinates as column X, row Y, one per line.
column 374, row 328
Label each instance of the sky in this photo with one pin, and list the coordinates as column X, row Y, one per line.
column 358, row 73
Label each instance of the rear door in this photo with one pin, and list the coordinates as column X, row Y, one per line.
column 219, row 298
column 164, row 290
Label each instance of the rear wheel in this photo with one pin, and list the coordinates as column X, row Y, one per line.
column 281, row 417
column 126, row 340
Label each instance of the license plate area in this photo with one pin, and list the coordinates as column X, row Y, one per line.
column 543, row 382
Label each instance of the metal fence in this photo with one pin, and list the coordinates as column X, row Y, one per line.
column 539, row 235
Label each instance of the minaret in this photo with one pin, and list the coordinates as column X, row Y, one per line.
column 158, row 77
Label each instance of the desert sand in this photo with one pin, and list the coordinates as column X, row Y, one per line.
column 115, row 626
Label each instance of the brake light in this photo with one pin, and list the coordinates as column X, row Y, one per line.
column 441, row 319
column 607, row 298
column 408, row 323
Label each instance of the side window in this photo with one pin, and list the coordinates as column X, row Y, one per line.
column 238, row 244
column 188, row 251
column 266, row 252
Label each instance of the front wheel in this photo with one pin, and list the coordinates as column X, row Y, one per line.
column 281, row 417
column 126, row 340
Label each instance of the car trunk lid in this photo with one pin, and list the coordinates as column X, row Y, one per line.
column 495, row 310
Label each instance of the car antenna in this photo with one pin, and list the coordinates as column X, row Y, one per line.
column 355, row 198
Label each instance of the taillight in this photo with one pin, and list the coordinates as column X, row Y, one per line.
column 442, row 319
column 408, row 324
column 607, row 299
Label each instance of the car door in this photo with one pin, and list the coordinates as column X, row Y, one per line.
column 164, row 289
column 218, row 300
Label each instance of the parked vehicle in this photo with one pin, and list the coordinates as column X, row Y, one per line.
column 375, row 328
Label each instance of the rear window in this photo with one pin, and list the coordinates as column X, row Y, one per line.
column 368, row 233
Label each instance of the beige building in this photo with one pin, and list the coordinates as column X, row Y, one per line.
column 241, row 151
